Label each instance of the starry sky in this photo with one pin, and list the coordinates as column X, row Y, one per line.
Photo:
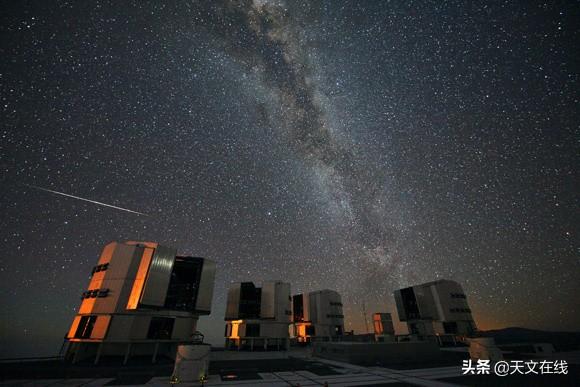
column 360, row 146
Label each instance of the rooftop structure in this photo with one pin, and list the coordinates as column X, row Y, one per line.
column 317, row 316
column 258, row 317
column 142, row 299
column 435, row 308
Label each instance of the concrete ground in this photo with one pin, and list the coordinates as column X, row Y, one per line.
column 289, row 369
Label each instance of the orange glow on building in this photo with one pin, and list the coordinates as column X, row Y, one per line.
column 97, row 280
column 107, row 253
column 236, row 329
column 101, row 326
column 74, row 327
column 87, row 305
column 112, row 320
column 300, row 332
column 140, row 277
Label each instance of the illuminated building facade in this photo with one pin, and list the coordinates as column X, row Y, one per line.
column 383, row 327
column 142, row 299
column 317, row 316
column 258, row 317
column 435, row 308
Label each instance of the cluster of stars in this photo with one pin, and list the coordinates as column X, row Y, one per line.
column 360, row 147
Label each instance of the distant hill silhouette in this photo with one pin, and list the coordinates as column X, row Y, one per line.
column 562, row 341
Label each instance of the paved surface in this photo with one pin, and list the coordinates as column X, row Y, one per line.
column 349, row 376
column 345, row 376
column 304, row 372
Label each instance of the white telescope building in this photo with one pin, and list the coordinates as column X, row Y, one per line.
column 258, row 317
column 435, row 309
column 317, row 316
column 142, row 299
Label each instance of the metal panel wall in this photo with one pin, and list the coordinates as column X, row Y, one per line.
column 183, row 328
column 101, row 327
column 206, row 284
column 140, row 277
column 425, row 302
column 158, row 277
column 402, row 313
column 74, row 327
column 441, row 314
column 233, row 305
column 282, row 303
column 314, row 305
column 268, row 302
column 116, row 277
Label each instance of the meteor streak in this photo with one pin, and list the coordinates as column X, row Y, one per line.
column 86, row 200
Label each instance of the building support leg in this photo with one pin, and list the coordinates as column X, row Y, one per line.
column 154, row 357
column 99, row 349
column 127, row 354
column 78, row 348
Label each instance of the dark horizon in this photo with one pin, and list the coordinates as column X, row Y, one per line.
column 359, row 147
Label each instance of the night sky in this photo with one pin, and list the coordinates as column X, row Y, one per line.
column 359, row 146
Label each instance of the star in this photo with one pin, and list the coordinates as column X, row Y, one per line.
column 342, row 145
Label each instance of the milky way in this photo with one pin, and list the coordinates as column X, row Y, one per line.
column 355, row 146
column 267, row 39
